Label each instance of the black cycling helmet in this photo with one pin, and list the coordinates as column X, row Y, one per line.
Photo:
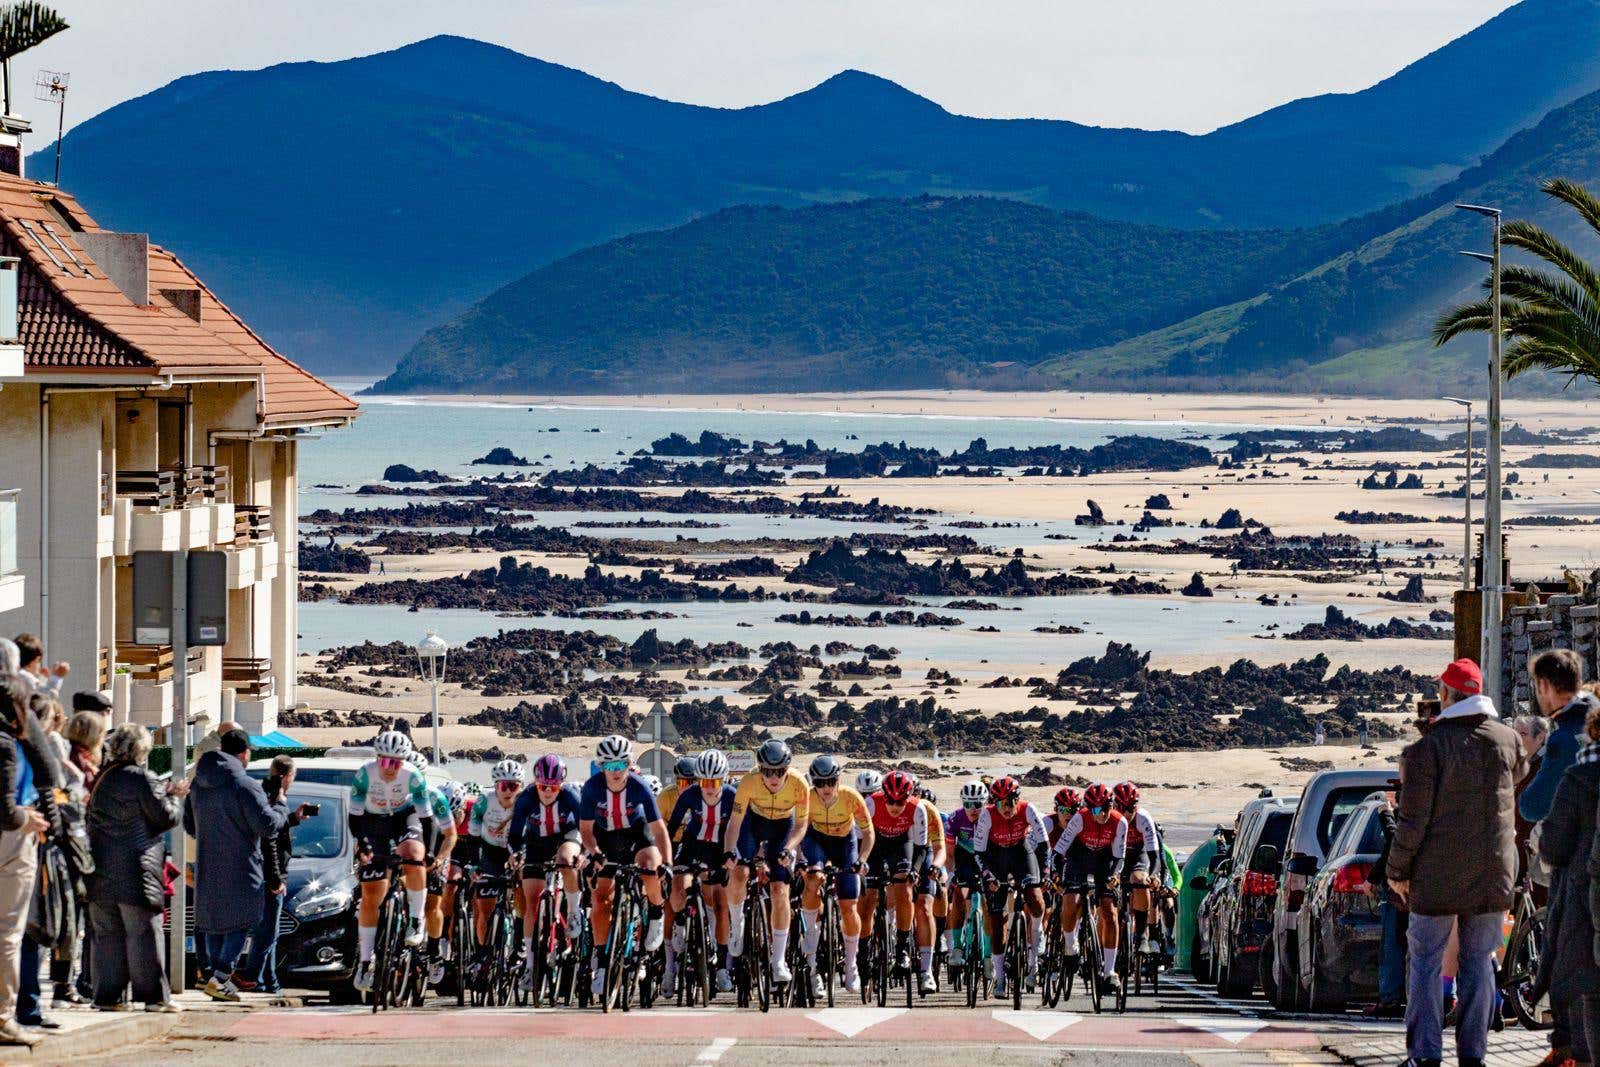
column 684, row 768
column 824, row 769
column 773, row 755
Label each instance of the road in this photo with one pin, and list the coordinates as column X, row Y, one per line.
column 1183, row 1026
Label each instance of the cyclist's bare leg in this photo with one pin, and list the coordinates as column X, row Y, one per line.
column 532, row 890
column 414, row 874
column 867, row 910
column 957, row 915
column 1139, row 902
column 780, row 911
column 433, row 915
column 482, row 911
column 811, row 897
column 650, row 860
column 600, row 909
column 1107, row 912
column 900, row 901
column 372, row 894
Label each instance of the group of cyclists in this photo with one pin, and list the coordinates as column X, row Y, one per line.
column 795, row 838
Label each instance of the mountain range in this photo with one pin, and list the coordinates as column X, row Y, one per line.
column 348, row 208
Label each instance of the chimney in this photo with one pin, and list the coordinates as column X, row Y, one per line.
column 122, row 257
column 185, row 300
column 12, row 127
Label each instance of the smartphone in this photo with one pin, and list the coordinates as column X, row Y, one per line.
column 312, row 809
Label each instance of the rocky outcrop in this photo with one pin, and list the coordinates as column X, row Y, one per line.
column 501, row 456
column 1197, row 586
column 1337, row 626
column 400, row 472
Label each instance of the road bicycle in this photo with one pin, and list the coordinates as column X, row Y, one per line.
column 400, row 973
column 1089, row 951
column 500, row 952
column 972, row 949
column 552, row 964
column 1054, row 980
column 882, row 968
column 830, row 940
column 628, row 971
column 1525, row 948
column 697, row 958
column 753, row 976
column 463, row 932
column 798, row 993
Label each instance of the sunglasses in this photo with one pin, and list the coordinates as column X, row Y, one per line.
column 1006, row 802
column 614, row 765
column 972, row 805
column 1064, row 808
column 774, row 776
column 388, row 763
column 508, row 787
column 825, row 783
column 1097, row 809
column 711, row 783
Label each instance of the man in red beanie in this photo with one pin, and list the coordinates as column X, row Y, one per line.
column 1453, row 860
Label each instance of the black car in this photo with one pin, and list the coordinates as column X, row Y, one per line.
column 317, row 934
column 1246, row 884
column 1341, row 926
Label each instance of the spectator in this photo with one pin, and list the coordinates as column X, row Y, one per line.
column 98, row 702
column 43, row 679
column 50, row 910
column 1452, row 860
column 228, row 814
column 1566, row 845
column 20, row 826
column 1558, row 688
column 261, row 967
column 130, row 813
column 1392, row 917
column 85, row 733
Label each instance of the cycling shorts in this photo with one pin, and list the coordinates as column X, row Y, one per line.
column 465, row 854
column 759, row 834
column 538, row 851
column 1085, row 866
column 1005, row 861
column 1135, row 861
column 381, row 834
column 927, row 885
column 890, row 856
column 966, row 872
column 491, row 867
column 710, row 853
column 843, row 851
column 621, row 846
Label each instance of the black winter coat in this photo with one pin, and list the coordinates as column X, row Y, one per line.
column 129, row 814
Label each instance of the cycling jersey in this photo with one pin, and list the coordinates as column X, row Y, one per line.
column 439, row 804
column 935, row 828
column 997, row 830
column 849, row 809
column 534, row 820
column 1082, row 830
column 912, row 819
column 491, row 821
column 633, row 806
column 667, row 801
column 958, row 827
column 693, row 819
column 1054, row 824
column 789, row 799
column 371, row 794
column 1142, row 832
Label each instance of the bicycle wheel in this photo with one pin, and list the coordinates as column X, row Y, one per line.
column 828, row 949
column 380, row 958
column 1089, row 960
column 1124, row 957
column 544, row 946
column 880, row 937
column 462, row 945
column 1521, row 967
column 973, row 959
column 704, row 952
column 616, row 952
column 1016, row 950
column 761, row 957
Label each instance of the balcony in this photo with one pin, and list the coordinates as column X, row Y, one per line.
column 253, row 552
column 11, row 580
column 149, row 669
column 10, row 346
column 172, row 508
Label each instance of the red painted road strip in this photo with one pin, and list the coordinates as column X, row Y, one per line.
column 944, row 1026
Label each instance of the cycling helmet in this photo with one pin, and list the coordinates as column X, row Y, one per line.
column 711, row 764
column 898, row 787
column 653, row 782
column 455, row 794
column 1127, row 794
column 507, row 770
column 1005, row 789
column 1067, row 799
column 868, row 782
column 1097, row 796
column 773, row 755
column 614, row 747
column 974, row 793
column 550, row 770
column 474, row 790
column 824, row 769
column 684, row 768
column 392, row 744
column 418, row 759
column 924, row 793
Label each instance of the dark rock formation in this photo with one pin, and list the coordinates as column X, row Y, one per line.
column 399, row 472
column 1196, row 587
column 501, row 456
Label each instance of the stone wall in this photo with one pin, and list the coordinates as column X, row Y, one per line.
column 1569, row 620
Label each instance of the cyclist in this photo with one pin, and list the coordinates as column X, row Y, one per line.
column 698, row 821
column 544, row 830
column 930, row 903
column 654, row 785
column 771, row 813
column 619, row 823
column 683, row 777
column 462, row 856
column 840, row 830
column 1005, row 841
column 389, row 813
column 438, row 848
column 491, row 825
column 1141, row 865
column 960, row 862
column 900, row 823
column 1067, row 802
column 1092, row 848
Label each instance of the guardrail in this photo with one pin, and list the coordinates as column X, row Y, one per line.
column 250, row 678
column 173, row 487
column 252, row 524
column 8, row 530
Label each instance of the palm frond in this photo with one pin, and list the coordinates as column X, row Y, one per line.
column 25, row 24
column 1580, row 199
column 1540, row 242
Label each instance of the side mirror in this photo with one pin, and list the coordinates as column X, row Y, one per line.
column 1224, row 869
column 1265, row 859
column 1199, row 881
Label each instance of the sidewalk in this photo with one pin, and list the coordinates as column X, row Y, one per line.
column 86, row 1032
column 1514, row 1047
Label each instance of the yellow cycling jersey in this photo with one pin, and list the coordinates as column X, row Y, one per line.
column 848, row 809
column 666, row 803
column 787, row 800
column 935, row 828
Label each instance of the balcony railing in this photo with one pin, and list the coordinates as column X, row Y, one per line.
column 250, row 679
column 153, row 663
column 174, row 487
column 8, row 531
column 252, row 524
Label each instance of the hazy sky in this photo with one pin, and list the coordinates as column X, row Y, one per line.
column 1177, row 64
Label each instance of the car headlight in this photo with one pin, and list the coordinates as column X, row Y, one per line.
column 321, row 902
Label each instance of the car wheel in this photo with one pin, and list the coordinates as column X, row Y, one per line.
column 1269, row 985
column 1239, row 981
column 1199, row 963
column 1322, row 996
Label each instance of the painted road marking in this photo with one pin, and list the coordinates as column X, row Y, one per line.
column 848, row 1022
column 1041, row 1025
column 1232, row 1031
column 713, row 1052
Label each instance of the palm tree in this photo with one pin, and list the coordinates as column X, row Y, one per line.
column 1551, row 319
column 24, row 24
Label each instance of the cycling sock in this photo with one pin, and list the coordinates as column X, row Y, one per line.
column 949, row 940
column 852, row 945
column 1110, row 965
column 780, row 943
column 527, row 947
column 736, row 929
column 722, row 957
column 926, row 956
column 653, row 912
column 416, row 902
column 1071, row 937
column 366, row 938
column 574, row 907
column 997, row 964
column 813, row 917
column 1035, row 932
column 672, row 957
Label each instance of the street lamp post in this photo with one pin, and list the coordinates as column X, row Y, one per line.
column 1466, row 535
column 431, row 653
column 1493, row 590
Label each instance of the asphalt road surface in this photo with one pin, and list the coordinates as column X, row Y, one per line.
column 1182, row 1026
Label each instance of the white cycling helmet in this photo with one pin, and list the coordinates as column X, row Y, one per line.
column 614, row 747
column 653, row 782
column 711, row 764
column 974, row 792
column 507, row 770
column 418, row 759
column 392, row 744
column 868, row 782
column 455, row 794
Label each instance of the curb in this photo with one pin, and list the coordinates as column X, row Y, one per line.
column 92, row 1040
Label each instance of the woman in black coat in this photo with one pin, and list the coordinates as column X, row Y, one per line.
column 1566, row 844
column 130, row 811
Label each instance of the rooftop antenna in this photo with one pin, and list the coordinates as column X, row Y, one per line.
column 51, row 85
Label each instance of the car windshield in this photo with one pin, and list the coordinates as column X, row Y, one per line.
column 319, row 836
column 1336, row 809
column 1274, row 833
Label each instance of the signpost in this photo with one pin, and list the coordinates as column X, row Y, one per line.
column 658, row 729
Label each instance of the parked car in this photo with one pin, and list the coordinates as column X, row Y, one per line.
column 1326, row 802
column 317, row 934
column 1343, row 930
column 1247, row 884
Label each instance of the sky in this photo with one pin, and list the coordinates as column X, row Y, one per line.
column 1189, row 65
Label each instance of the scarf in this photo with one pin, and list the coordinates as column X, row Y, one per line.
column 1589, row 753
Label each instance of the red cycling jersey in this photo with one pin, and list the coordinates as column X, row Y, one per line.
column 995, row 828
column 1109, row 836
column 912, row 819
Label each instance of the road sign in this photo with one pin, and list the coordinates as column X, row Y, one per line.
column 741, row 762
column 658, row 726
column 659, row 762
